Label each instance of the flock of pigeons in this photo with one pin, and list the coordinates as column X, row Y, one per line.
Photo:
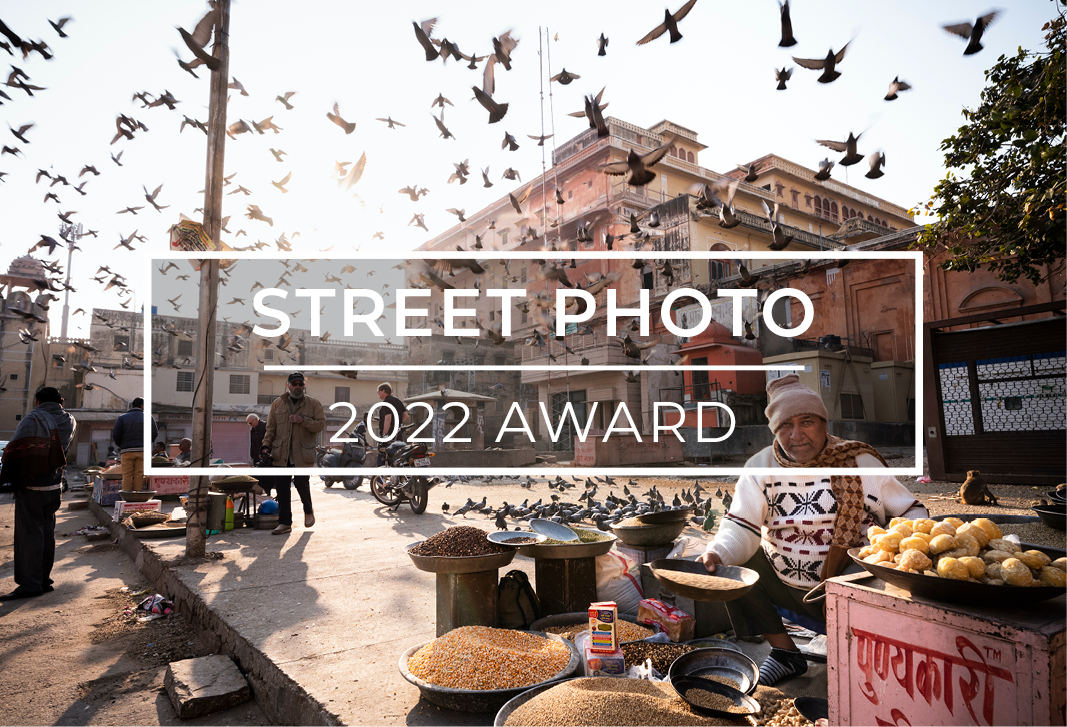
column 612, row 509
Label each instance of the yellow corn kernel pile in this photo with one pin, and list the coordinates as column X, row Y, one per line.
column 478, row 657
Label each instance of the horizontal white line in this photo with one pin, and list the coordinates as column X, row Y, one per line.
column 556, row 367
column 828, row 254
column 550, row 472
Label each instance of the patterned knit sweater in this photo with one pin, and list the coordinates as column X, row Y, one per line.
column 792, row 517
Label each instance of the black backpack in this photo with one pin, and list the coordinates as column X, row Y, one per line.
column 517, row 606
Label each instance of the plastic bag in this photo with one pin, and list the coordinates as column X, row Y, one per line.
column 615, row 582
column 685, row 547
column 644, row 671
column 156, row 604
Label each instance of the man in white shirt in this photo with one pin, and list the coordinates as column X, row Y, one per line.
column 795, row 531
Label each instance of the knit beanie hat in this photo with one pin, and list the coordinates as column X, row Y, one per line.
column 787, row 398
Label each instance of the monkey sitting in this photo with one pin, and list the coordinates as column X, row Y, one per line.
column 975, row 491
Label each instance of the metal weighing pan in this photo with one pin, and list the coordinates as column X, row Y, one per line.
column 467, row 564
column 649, row 535
column 482, row 700
column 162, row 530
column 812, row 708
column 717, row 662
column 683, row 684
column 663, row 568
column 1053, row 515
column 963, row 592
column 569, row 551
column 552, row 530
column 505, row 537
column 666, row 516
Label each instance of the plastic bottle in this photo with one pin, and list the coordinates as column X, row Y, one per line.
column 229, row 513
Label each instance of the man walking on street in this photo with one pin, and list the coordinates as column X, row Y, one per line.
column 292, row 425
column 394, row 410
column 128, row 436
column 257, row 428
column 36, row 500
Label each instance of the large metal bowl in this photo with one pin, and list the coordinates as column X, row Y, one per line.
column 649, row 535
column 717, row 662
column 137, row 495
column 662, row 568
column 569, row 551
column 482, row 700
column 516, row 702
column 1053, row 515
column 953, row 591
column 464, row 564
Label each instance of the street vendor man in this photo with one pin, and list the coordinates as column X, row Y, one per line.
column 795, row 531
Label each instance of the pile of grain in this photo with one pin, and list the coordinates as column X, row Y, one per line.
column 610, row 701
column 713, row 700
column 706, row 582
column 458, row 542
column 584, row 536
column 782, row 714
column 662, row 655
column 478, row 657
column 626, row 631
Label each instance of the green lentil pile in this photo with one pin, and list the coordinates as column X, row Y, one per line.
column 478, row 657
column 584, row 536
column 459, row 541
column 662, row 655
column 610, row 701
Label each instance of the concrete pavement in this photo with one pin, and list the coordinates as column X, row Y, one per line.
column 318, row 618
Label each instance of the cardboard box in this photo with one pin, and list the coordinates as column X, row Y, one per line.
column 676, row 623
column 603, row 635
column 106, row 492
column 599, row 664
column 122, row 509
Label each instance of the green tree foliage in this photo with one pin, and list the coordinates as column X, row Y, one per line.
column 1002, row 203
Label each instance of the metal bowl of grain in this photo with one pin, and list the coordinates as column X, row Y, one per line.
column 483, row 700
column 691, row 579
column 591, row 543
column 717, row 664
column 713, row 698
column 137, row 495
column 650, row 534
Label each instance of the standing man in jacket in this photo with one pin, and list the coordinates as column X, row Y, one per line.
column 128, row 436
column 256, row 429
column 36, row 502
column 292, row 425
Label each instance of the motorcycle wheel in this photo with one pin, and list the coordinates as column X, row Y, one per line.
column 384, row 491
column 419, row 495
column 351, row 483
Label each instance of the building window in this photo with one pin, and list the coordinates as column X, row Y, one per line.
column 522, row 275
column 18, row 417
column 818, row 206
column 500, row 359
column 492, row 316
column 13, row 377
column 690, row 158
column 342, row 393
column 504, row 238
column 265, row 399
column 268, row 354
column 795, row 193
column 779, row 188
column 807, row 200
column 719, row 269
column 647, row 281
column 851, row 406
column 240, row 383
column 833, row 211
column 122, row 343
column 185, row 348
column 524, row 318
column 448, row 357
column 674, row 150
column 185, row 381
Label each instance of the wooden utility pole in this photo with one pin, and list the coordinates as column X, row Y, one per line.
column 203, row 380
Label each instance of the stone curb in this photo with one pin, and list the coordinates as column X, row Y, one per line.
column 282, row 699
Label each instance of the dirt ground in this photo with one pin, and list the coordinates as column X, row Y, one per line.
column 73, row 657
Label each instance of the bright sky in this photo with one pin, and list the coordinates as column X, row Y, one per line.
column 718, row 80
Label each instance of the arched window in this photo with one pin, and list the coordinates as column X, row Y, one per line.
column 674, row 150
column 818, row 206
column 870, row 218
column 718, row 269
column 884, row 224
column 833, row 211
column 690, row 158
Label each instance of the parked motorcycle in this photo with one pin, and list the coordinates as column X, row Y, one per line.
column 413, row 488
column 349, row 454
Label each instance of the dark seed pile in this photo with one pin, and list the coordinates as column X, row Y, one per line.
column 458, row 542
column 662, row 655
column 520, row 540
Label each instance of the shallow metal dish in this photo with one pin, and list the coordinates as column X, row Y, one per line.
column 812, row 708
column 502, row 537
column 963, row 592
column 569, row 551
column 666, row 516
column 553, row 530
column 482, row 700
column 1053, row 515
column 745, row 577
column 649, row 535
column 709, row 643
column 717, row 662
column 137, row 495
column 462, row 564
column 739, row 698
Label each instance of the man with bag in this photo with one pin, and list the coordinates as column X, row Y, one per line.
column 34, row 461
column 796, row 531
column 292, row 425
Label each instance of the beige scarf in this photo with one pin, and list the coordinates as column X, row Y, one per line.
column 847, row 490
